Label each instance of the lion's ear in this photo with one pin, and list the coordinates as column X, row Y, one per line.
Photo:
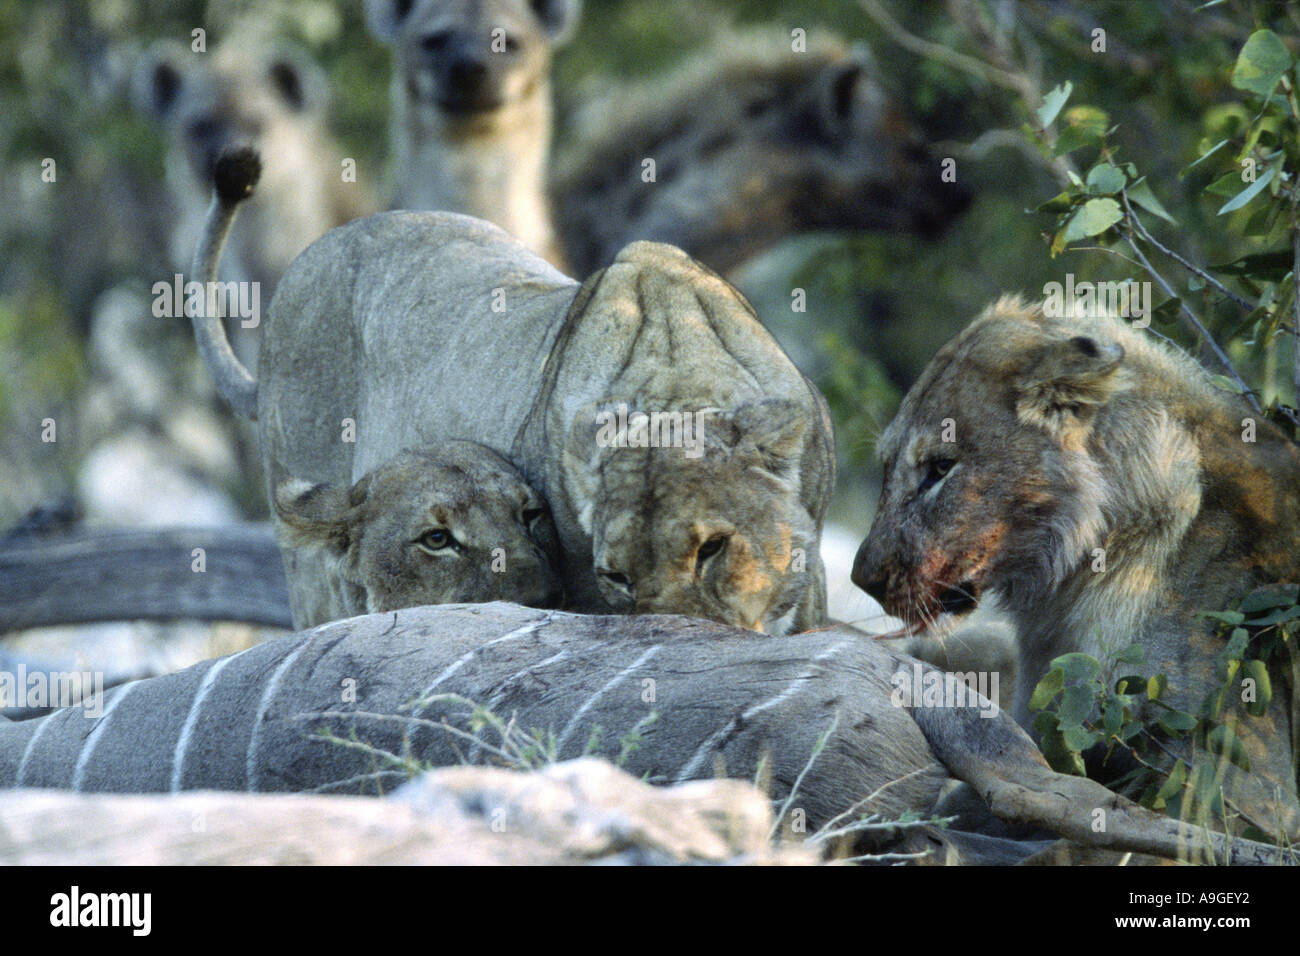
column 774, row 430
column 317, row 516
column 1066, row 381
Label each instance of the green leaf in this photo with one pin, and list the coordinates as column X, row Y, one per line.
column 1105, row 179
column 1076, row 137
column 1226, row 384
column 1079, row 738
column 1258, row 672
column 1141, row 194
column 1076, row 705
column 1112, row 718
column 1261, row 63
column 1092, row 218
column 1206, row 787
column 1229, row 184
column 1227, row 617
column 1077, row 667
column 1156, row 686
column 1236, row 647
column 1262, row 266
column 1173, row 783
column 1130, row 684
column 1270, row 596
column 1047, row 689
column 1045, row 722
column 1204, row 156
column 1176, row 722
column 1261, row 221
column 1250, row 192
column 1133, row 654
column 1054, row 100
column 1223, row 742
column 1061, row 202
column 1277, row 617
column 1168, row 310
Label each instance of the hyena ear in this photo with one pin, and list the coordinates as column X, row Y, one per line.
column 774, row 430
column 301, row 85
column 845, row 96
column 386, row 18
column 158, row 79
column 1066, row 381
column 558, row 18
column 317, row 516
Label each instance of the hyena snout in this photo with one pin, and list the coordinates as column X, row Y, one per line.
column 468, row 77
column 209, row 142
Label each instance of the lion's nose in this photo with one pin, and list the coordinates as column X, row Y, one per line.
column 868, row 574
column 620, row 581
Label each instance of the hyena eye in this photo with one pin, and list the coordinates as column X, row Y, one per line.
column 531, row 516
column 436, row 539
column 709, row 548
column 936, row 470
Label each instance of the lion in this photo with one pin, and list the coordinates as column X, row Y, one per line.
column 1094, row 484
column 687, row 463
column 445, row 524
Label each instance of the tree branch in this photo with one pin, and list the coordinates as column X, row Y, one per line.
column 1190, row 267
column 1191, row 316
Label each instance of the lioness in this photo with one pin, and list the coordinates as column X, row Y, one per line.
column 406, row 328
column 444, row 524
column 1074, row 439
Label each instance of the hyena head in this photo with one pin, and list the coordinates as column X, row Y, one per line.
column 268, row 98
column 466, row 59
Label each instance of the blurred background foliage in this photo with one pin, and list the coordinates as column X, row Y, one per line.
column 878, row 305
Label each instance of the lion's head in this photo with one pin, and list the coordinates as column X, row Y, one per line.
column 447, row 524
column 712, row 526
column 1027, row 443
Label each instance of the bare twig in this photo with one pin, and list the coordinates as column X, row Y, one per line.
column 818, row 747
column 1189, row 266
column 1191, row 316
column 1295, row 284
column 1016, row 82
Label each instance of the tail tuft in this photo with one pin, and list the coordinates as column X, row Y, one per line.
column 235, row 174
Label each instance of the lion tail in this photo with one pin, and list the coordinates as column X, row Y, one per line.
column 234, row 176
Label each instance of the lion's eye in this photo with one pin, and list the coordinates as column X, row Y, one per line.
column 709, row 548
column 935, row 472
column 435, row 540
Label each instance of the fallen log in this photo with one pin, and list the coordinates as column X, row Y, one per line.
column 149, row 574
column 357, row 706
column 573, row 813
